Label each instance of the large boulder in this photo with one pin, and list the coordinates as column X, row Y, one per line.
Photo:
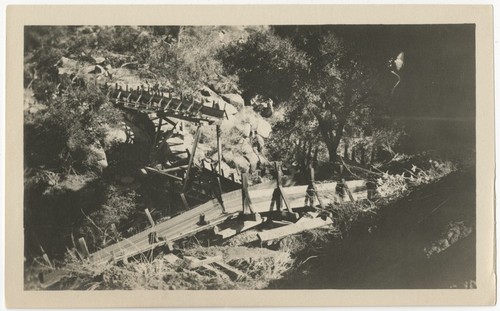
column 212, row 99
column 263, row 128
column 234, row 99
column 100, row 155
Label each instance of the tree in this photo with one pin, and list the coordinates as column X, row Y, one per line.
column 320, row 78
column 265, row 65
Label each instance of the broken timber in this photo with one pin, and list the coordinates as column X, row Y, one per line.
column 302, row 224
column 247, row 219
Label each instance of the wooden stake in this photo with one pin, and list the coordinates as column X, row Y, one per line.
column 150, row 218
column 312, row 191
column 83, row 247
column 245, row 196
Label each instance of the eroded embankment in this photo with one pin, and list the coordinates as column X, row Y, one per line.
column 425, row 240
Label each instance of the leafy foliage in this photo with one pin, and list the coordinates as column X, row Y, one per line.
column 117, row 208
column 61, row 136
column 323, row 80
column 265, row 64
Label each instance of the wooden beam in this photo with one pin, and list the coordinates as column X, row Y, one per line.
column 170, row 121
column 155, row 171
column 174, row 169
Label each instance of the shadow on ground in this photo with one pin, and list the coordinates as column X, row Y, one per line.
column 394, row 251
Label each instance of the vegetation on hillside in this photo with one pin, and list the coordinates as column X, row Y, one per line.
column 306, row 96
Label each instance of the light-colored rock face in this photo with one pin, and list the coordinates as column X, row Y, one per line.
column 212, row 99
column 98, row 151
column 235, row 99
column 116, row 135
column 263, row 128
column 244, row 131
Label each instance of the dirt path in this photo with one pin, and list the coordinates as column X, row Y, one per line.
column 393, row 254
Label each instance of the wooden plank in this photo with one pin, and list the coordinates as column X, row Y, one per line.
column 193, row 263
column 232, row 272
column 302, row 225
column 185, row 224
column 239, row 228
column 173, row 169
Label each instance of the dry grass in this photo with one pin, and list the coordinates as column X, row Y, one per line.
column 260, row 265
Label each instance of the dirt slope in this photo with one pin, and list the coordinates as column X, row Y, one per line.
column 426, row 240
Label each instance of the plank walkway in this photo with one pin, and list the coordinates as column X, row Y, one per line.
column 186, row 223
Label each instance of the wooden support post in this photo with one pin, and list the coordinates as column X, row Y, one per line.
column 202, row 221
column 353, row 154
column 150, row 218
column 315, row 156
column 153, row 237
column 157, row 132
column 280, row 188
column 245, row 196
column 347, row 190
column 83, row 248
column 279, row 199
column 184, row 201
column 191, row 157
column 346, row 150
column 362, row 155
column 311, row 191
column 219, row 194
column 219, row 148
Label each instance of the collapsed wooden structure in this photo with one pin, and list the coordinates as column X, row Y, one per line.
column 242, row 210
column 166, row 108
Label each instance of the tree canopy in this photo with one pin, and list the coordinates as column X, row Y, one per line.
column 325, row 84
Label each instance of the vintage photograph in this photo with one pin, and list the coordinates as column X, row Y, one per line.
column 255, row 157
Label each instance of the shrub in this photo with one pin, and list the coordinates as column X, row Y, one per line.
column 398, row 184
